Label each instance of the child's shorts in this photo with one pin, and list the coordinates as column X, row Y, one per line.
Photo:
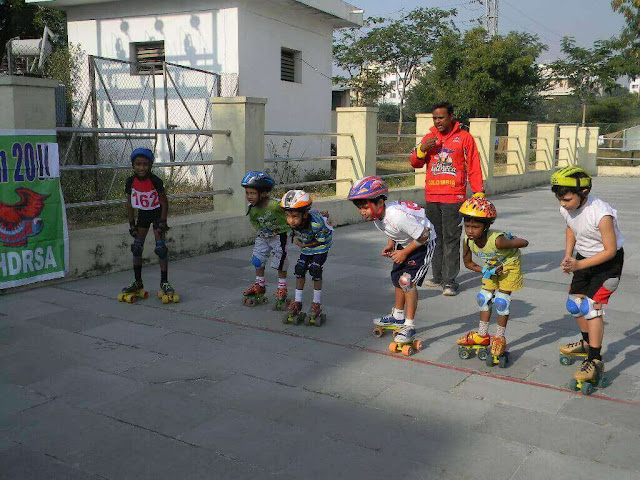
column 275, row 246
column 148, row 217
column 306, row 260
column 599, row 282
column 510, row 280
column 416, row 265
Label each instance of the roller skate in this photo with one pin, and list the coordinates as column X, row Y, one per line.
column 571, row 352
column 404, row 341
column 498, row 354
column 132, row 292
column 315, row 317
column 167, row 293
column 388, row 322
column 295, row 314
column 254, row 295
column 589, row 375
column 473, row 342
column 282, row 302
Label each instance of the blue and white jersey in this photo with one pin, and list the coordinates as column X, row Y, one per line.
column 318, row 230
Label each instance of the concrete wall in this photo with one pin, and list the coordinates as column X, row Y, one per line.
column 610, row 171
column 27, row 103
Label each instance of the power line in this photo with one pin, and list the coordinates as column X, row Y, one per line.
column 543, row 36
column 315, row 68
column 533, row 19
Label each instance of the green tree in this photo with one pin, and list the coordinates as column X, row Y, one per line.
column 482, row 76
column 590, row 70
column 353, row 53
column 401, row 46
column 628, row 44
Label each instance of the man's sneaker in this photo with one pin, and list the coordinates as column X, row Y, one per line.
column 388, row 321
column 405, row 335
column 450, row 290
column 433, row 283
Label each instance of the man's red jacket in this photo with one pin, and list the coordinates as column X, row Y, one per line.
column 453, row 159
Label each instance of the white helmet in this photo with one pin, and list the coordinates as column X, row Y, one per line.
column 296, row 200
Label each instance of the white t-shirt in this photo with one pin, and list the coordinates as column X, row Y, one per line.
column 404, row 222
column 584, row 223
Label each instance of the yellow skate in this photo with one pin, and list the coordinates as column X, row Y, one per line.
column 473, row 342
column 316, row 316
column 589, row 375
column 571, row 352
column 405, row 342
column 168, row 294
column 132, row 292
column 295, row 314
column 498, row 354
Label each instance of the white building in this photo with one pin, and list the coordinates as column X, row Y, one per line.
column 557, row 87
column 634, row 85
column 277, row 49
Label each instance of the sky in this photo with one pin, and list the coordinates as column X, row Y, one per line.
column 586, row 20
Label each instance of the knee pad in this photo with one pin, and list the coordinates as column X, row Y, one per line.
column 256, row 262
column 590, row 309
column 161, row 250
column 484, row 300
column 315, row 270
column 573, row 305
column 137, row 248
column 300, row 269
column 502, row 302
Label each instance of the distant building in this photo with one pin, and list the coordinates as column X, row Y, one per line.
column 634, row 85
column 557, row 87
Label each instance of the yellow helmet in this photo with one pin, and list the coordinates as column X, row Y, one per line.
column 564, row 177
column 477, row 207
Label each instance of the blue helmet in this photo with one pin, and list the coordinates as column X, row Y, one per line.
column 142, row 152
column 368, row 188
column 258, row 180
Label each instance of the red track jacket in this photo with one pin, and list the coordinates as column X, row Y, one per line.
column 453, row 159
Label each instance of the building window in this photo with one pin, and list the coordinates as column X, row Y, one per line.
column 147, row 57
column 290, row 65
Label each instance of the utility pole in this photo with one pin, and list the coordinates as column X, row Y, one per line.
column 491, row 17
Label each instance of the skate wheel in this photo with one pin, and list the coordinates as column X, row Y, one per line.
column 165, row 299
column 264, row 300
column 489, row 360
column 121, row 297
column 378, row 332
column 393, row 347
column 603, row 382
column 573, row 385
column 285, row 318
column 132, row 299
column 176, row 299
column 586, row 388
column 482, row 354
column 407, row 350
column 463, row 353
column 145, row 294
column 503, row 361
column 298, row 319
column 417, row 345
column 307, row 320
column 320, row 320
column 160, row 294
column 564, row 360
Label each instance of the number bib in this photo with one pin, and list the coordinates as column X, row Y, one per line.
column 144, row 200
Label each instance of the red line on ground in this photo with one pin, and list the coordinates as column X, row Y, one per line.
column 400, row 357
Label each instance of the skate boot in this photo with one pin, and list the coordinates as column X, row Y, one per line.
column 315, row 317
column 254, row 295
column 405, row 342
column 282, row 302
column 571, row 352
column 388, row 322
column 295, row 314
column 590, row 374
column 473, row 342
column 167, row 293
column 498, row 354
column 132, row 292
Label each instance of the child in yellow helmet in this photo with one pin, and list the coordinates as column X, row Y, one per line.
column 501, row 275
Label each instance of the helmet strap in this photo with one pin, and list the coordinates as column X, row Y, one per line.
column 376, row 211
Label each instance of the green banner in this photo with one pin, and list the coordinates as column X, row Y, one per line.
column 34, row 242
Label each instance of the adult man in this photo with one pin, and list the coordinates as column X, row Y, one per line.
column 451, row 156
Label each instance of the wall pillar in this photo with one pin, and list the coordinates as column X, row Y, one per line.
column 362, row 124
column 424, row 121
column 519, row 148
column 589, row 158
column 567, row 149
column 547, row 136
column 483, row 131
column 244, row 117
column 27, row 103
